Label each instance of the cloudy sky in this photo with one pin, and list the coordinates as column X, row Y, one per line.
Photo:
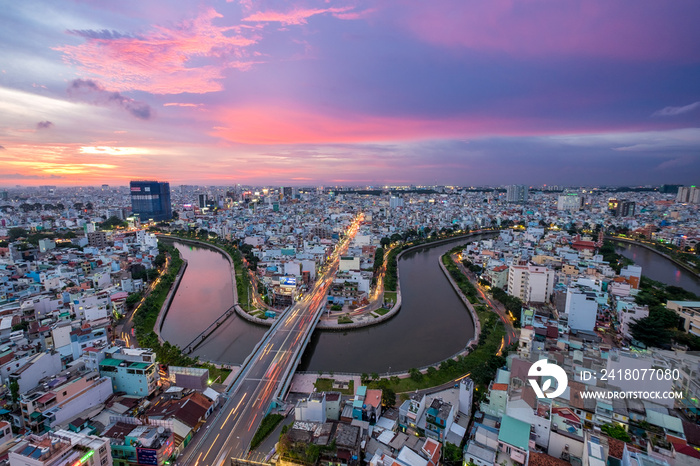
column 468, row 92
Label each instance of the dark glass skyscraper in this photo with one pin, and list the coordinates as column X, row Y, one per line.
column 151, row 200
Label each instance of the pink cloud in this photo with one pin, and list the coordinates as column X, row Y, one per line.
column 180, row 104
column 162, row 61
column 295, row 16
column 562, row 27
column 275, row 124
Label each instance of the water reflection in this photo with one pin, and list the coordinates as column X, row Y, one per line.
column 658, row 267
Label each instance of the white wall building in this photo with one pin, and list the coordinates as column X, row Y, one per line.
column 312, row 409
column 569, row 201
column 530, row 283
column 581, row 307
column 349, row 263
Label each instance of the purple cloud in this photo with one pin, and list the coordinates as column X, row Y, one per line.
column 90, row 91
column 673, row 111
column 44, row 125
column 104, row 34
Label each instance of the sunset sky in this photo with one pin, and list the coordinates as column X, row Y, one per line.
column 468, row 92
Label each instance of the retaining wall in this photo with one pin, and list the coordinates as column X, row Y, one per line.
column 168, row 300
column 662, row 254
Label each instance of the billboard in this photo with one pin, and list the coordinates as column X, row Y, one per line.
column 288, row 281
column 147, row 456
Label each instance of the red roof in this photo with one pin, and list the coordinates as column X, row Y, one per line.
column 500, row 386
column 583, row 245
column 46, row 397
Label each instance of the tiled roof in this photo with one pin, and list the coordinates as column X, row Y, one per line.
column 540, row 459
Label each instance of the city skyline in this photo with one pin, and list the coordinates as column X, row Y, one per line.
column 350, row 93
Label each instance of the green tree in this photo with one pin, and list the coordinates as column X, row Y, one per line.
column 17, row 232
column 113, row 222
column 616, row 431
column 133, row 299
column 657, row 328
column 159, row 261
column 14, row 390
column 388, row 398
column 415, row 374
column 24, row 325
column 452, row 455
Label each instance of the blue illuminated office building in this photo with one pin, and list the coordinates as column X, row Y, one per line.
column 151, row 200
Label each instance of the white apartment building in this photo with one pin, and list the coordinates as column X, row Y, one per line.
column 581, row 307
column 569, row 201
column 532, row 284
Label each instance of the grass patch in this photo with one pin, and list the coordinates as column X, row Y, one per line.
column 344, row 319
column 382, row 311
column 390, row 296
column 218, row 374
column 326, row 385
column 267, row 425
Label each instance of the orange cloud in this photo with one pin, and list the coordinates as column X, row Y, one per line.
column 162, row 60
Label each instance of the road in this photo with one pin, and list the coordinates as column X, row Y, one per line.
column 123, row 330
column 511, row 334
column 229, row 434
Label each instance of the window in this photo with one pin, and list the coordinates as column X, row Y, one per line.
column 102, row 449
column 65, row 393
column 104, row 461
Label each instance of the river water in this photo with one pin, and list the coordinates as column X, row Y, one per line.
column 658, row 267
column 433, row 323
column 206, row 292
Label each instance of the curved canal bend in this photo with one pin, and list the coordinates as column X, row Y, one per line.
column 658, row 268
column 433, row 323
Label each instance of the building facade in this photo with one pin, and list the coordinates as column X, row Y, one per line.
column 516, row 193
column 151, row 200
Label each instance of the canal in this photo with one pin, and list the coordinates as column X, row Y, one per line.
column 206, row 292
column 658, row 267
column 433, row 323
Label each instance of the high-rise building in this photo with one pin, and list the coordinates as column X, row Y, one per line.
column 569, row 201
column 669, row 188
column 621, row 208
column 202, row 200
column 516, row 193
column 395, row 202
column 688, row 194
column 151, row 200
column 97, row 239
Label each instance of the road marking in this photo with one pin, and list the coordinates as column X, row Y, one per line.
column 197, row 462
column 212, row 445
column 252, row 422
column 234, row 410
